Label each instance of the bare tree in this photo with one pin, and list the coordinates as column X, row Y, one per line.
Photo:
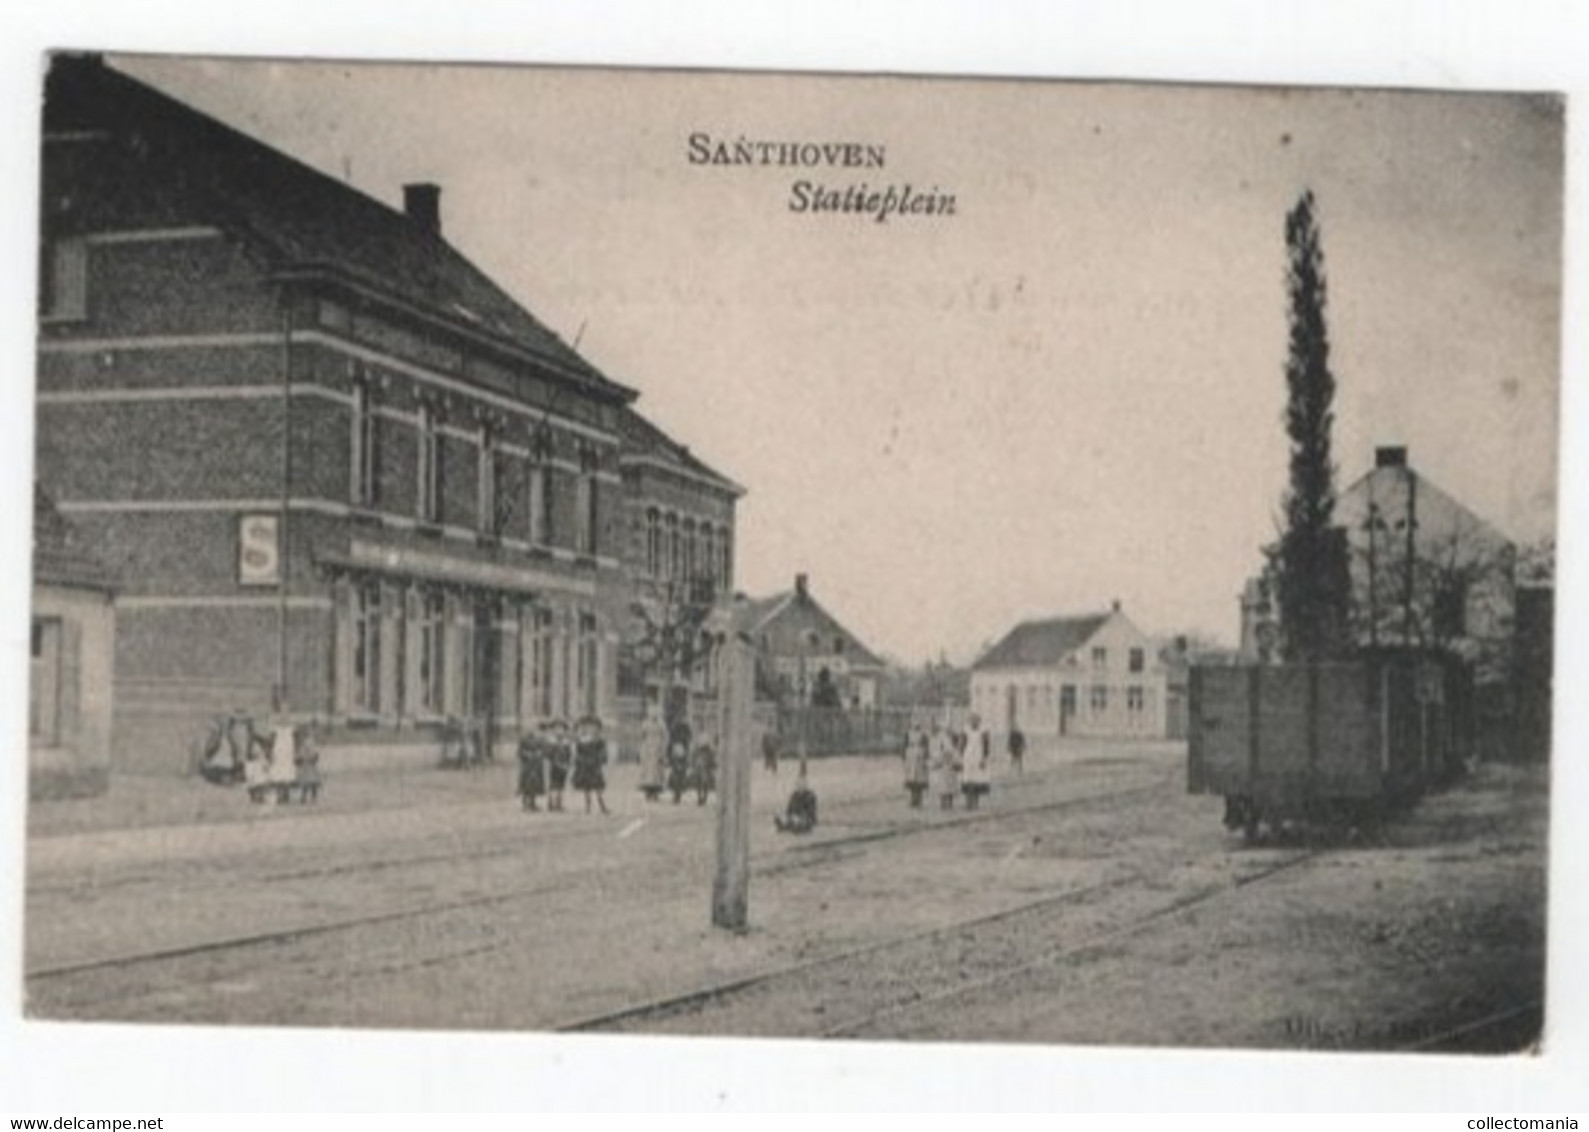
column 675, row 642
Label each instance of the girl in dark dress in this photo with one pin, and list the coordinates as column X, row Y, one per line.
column 532, row 770
column 558, row 758
column 590, row 759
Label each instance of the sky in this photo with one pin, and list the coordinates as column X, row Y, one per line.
column 1068, row 392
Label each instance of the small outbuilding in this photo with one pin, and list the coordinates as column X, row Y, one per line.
column 70, row 673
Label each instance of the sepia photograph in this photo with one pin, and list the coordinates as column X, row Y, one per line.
column 746, row 553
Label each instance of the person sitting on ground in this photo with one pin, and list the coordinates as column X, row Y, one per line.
column 704, row 769
column 800, row 815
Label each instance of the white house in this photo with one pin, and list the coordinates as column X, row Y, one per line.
column 1091, row 675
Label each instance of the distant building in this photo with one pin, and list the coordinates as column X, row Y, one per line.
column 802, row 648
column 1533, row 666
column 1426, row 570
column 70, row 671
column 1094, row 675
column 1177, row 657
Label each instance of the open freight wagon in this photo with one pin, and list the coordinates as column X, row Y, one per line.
column 1339, row 742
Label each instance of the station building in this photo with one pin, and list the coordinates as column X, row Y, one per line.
column 333, row 465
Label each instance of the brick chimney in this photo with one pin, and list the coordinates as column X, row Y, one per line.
column 1391, row 456
column 802, row 588
column 422, row 203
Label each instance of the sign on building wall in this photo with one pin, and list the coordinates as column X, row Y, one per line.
column 258, row 550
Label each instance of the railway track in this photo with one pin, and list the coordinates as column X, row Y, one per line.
column 878, row 965
column 789, row 858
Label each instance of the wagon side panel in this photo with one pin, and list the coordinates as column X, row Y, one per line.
column 1220, row 738
column 1280, row 777
column 1347, row 764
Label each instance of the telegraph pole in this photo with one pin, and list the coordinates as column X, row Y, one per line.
column 731, row 884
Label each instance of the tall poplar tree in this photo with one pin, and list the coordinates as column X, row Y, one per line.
column 1313, row 571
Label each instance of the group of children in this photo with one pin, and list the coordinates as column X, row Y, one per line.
column 284, row 761
column 955, row 762
column 673, row 760
column 546, row 757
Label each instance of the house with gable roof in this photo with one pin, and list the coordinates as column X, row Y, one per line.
column 801, row 648
column 1095, row 675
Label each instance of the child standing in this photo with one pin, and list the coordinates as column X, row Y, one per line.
column 945, row 767
column 558, row 758
column 917, row 760
column 532, row 771
column 308, row 760
column 256, row 776
column 590, row 760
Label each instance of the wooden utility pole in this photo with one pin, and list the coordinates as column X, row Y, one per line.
column 731, row 884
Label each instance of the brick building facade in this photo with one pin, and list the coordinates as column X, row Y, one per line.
column 332, row 462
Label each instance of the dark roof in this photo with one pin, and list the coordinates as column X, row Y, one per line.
column 59, row 556
column 1033, row 644
column 751, row 612
column 641, row 437
column 754, row 615
column 303, row 220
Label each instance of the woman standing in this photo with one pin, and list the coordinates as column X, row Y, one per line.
column 976, row 778
column 945, row 767
column 590, row 761
column 653, row 754
column 283, row 758
column 917, row 759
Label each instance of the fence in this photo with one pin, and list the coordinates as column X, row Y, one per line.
column 843, row 731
